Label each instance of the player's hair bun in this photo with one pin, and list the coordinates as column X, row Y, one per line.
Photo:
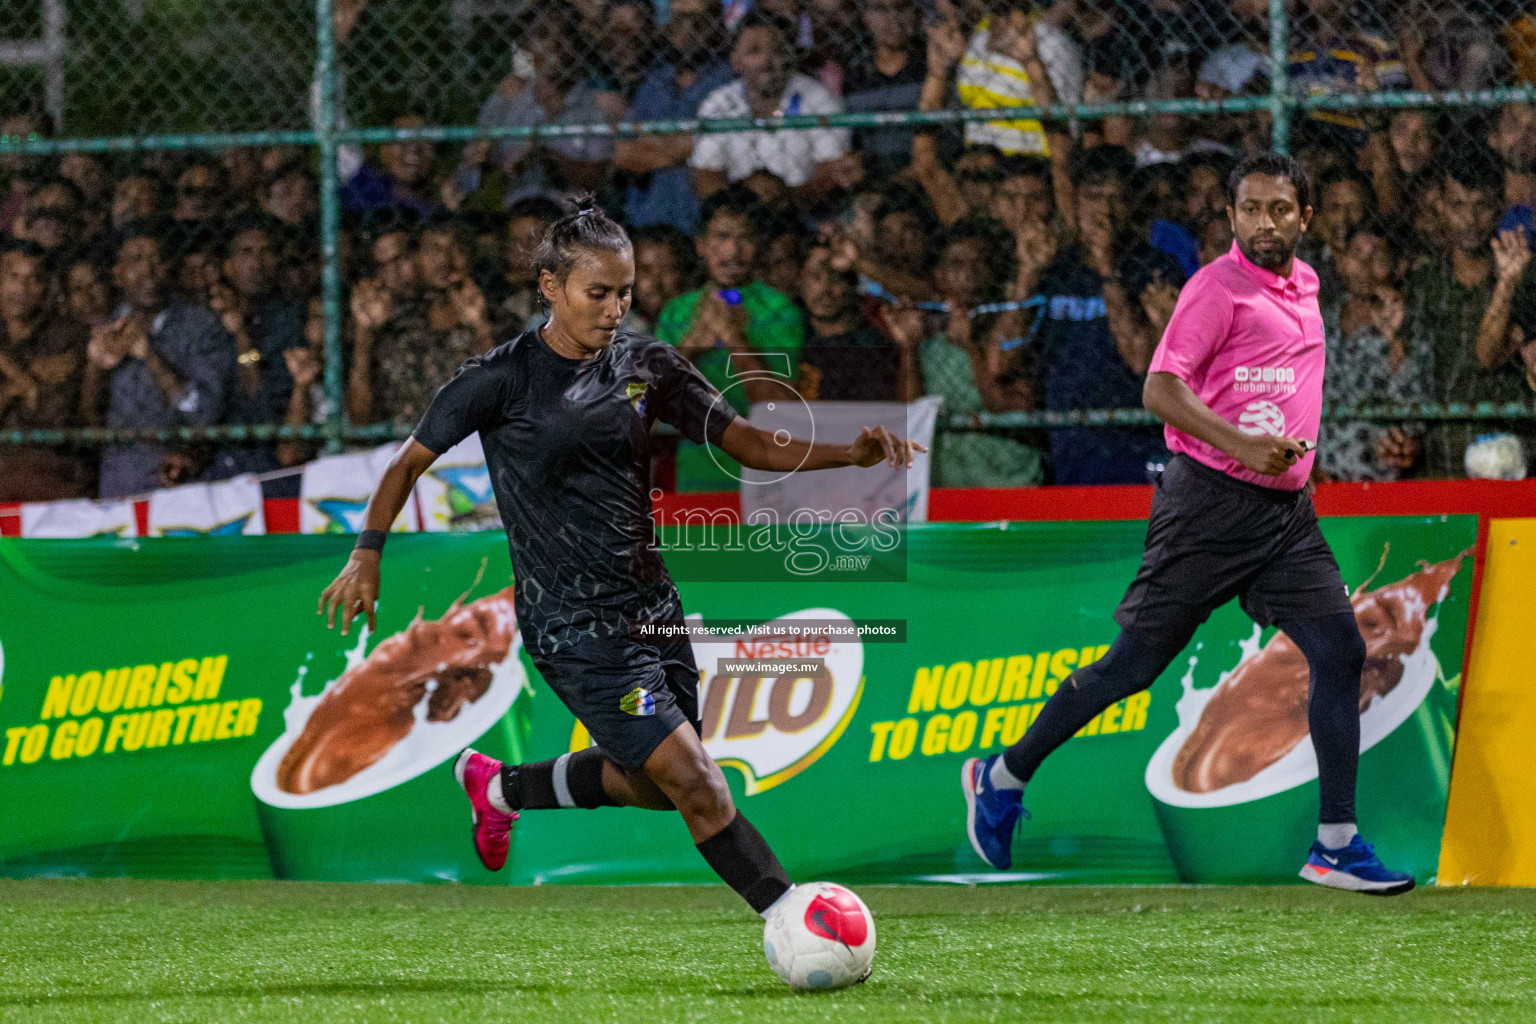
column 586, row 229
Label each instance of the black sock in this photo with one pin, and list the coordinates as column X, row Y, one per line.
column 529, row 787
column 740, row 856
column 583, row 777
column 1335, row 657
column 1132, row 663
column 570, row 780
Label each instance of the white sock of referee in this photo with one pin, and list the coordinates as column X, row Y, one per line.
column 1002, row 778
column 1337, row 835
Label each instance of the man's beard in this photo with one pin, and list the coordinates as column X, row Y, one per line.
column 1272, row 259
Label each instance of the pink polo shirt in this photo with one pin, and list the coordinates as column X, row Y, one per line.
column 1249, row 343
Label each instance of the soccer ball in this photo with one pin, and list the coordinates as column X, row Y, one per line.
column 820, row 936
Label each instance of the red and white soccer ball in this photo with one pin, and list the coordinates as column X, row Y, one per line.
column 820, row 936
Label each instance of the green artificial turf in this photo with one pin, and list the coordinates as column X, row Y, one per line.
column 281, row 951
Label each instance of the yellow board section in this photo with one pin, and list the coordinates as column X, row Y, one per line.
column 1490, row 824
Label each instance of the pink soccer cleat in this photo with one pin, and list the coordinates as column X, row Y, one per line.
column 491, row 829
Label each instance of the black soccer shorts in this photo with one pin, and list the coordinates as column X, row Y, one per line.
column 631, row 695
column 1211, row 538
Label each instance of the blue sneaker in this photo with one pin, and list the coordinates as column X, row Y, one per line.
column 1354, row 867
column 991, row 814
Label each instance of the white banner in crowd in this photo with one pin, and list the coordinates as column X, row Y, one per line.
column 455, row 494
column 334, row 492
column 228, row 508
column 829, row 492
column 82, row 518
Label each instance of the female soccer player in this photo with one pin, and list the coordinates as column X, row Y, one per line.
column 564, row 414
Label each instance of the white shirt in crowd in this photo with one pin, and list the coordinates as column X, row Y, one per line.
column 792, row 155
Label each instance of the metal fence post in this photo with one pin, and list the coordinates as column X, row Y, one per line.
column 330, row 216
column 1279, row 77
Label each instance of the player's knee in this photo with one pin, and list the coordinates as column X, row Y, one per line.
column 1354, row 648
column 1334, row 648
column 1351, row 664
column 1129, row 666
column 699, row 789
column 644, row 792
column 1109, row 682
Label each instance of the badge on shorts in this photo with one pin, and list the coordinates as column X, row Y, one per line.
column 635, row 392
column 638, row 702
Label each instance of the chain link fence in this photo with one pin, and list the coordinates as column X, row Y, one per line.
column 351, row 187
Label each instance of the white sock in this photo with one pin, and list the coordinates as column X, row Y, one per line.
column 1336, row 837
column 494, row 794
column 1002, row 778
column 776, row 902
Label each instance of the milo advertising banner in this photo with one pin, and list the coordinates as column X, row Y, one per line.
column 176, row 708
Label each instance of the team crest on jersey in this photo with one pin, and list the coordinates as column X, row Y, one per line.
column 1262, row 418
column 638, row 702
column 635, row 391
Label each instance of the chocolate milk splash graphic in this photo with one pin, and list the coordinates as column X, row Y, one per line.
column 372, row 707
column 1258, row 714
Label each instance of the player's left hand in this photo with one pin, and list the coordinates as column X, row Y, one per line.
column 876, row 444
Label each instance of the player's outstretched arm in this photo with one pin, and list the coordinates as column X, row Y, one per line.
column 1171, row 400
column 759, row 449
column 355, row 590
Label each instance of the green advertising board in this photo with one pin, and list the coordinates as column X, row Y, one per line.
column 176, row 708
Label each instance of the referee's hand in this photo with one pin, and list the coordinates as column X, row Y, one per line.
column 355, row 590
column 1270, row 455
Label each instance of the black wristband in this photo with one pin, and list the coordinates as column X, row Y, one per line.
column 370, row 540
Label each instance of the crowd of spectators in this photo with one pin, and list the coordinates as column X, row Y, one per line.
column 154, row 290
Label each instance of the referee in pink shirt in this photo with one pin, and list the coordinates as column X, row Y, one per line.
column 1238, row 381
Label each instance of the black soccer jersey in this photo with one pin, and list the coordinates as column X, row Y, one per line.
column 567, row 443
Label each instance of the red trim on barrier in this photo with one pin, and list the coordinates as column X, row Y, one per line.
column 1494, row 498
column 1048, row 504
column 672, row 508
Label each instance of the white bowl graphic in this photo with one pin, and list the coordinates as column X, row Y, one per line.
column 427, row 745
